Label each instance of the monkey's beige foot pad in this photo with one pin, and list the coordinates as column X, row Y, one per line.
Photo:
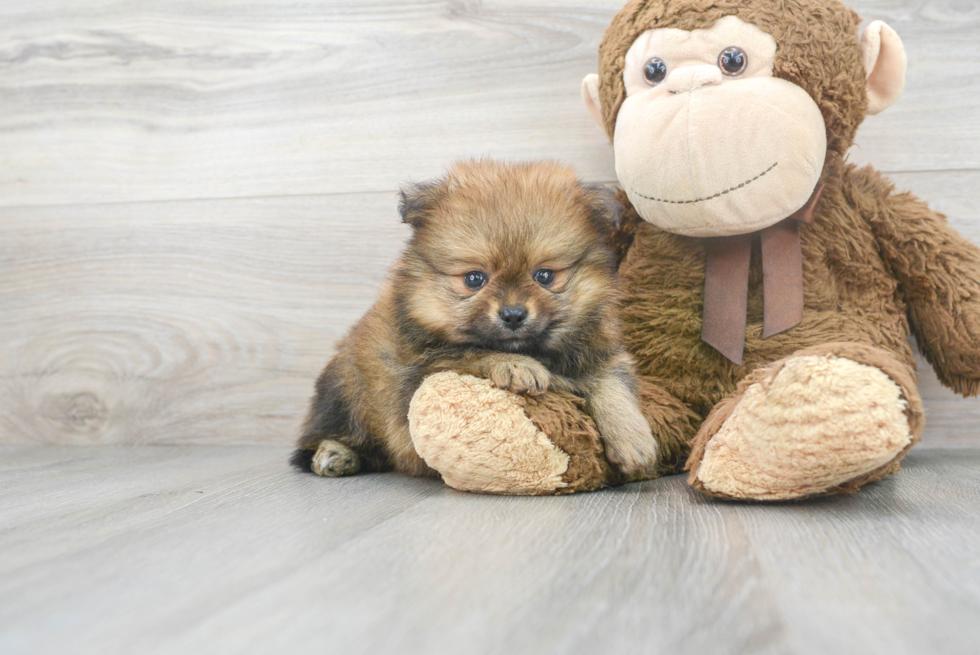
column 481, row 438
column 808, row 425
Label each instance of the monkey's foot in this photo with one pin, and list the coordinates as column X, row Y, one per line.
column 484, row 439
column 826, row 420
column 334, row 459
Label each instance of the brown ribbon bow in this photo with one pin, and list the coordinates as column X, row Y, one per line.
column 726, row 282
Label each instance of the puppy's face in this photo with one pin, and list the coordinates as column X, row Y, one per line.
column 508, row 257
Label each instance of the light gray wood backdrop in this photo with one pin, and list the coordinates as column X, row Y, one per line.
column 198, row 198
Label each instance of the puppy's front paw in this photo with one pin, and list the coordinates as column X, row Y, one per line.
column 629, row 442
column 636, row 458
column 520, row 376
column 334, row 459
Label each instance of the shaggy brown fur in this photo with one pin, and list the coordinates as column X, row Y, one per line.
column 563, row 417
column 877, row 264
column 508, row 222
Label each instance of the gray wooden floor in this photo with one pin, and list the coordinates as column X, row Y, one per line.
column 170, row 549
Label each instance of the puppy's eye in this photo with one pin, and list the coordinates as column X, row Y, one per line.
column 655, row 71
column 474, row 280
column 544, row 276
column 732, row 61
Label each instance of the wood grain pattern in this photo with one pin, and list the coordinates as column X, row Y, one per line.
column 198, row 199
column 133, row 100
column 207, row 321
column 147, row 323
column 223, row 549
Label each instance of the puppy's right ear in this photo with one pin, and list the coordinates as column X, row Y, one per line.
column 607, row 210
column 416, row 202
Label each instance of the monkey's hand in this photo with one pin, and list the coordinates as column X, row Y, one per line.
column 517, row 374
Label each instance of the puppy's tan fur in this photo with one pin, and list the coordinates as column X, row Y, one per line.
column 508, row 222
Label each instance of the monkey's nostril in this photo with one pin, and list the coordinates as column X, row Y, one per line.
column 513, row 316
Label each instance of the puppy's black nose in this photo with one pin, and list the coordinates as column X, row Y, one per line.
column 513, row 316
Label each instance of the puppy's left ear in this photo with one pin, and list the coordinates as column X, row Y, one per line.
column 416, row 201
column 607, row 211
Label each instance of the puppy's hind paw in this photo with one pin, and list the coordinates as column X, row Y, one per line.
column 334, row 459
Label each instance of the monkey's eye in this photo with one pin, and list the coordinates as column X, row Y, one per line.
column 732, row 61
column 655, row 71
column 544, row 276
column 474, row 280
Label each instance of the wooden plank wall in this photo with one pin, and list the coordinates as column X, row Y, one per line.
column 198, row 198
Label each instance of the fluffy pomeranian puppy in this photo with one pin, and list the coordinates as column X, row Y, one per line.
column 508, row 276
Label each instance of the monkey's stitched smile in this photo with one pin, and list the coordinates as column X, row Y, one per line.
column 720, row 193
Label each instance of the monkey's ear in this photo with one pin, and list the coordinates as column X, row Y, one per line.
column 885, row 63
column 590, row 96
column 416, row 201
column 607, row 211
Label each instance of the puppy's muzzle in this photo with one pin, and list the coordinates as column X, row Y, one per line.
column 513, row 316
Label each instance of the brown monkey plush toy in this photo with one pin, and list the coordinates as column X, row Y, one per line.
column 770, row 286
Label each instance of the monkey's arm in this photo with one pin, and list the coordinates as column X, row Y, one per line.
column 938, row 271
